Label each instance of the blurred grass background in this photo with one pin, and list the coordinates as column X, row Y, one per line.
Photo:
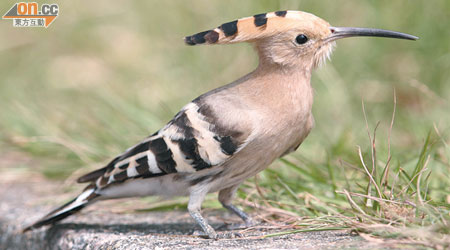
column 105, row 74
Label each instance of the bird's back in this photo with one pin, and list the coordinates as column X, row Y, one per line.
column 223, row 128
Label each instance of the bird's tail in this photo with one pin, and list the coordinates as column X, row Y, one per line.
column 73, row 206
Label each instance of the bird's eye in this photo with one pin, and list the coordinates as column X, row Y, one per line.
column 301, row 39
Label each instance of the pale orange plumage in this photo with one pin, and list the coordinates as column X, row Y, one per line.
column 231, row 133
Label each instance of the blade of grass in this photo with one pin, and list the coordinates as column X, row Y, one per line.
column 303, row 231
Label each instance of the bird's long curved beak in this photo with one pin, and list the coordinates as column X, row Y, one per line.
column 343, row 32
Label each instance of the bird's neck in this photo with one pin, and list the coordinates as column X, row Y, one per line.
column 279, row 88
column 274, row 77
column 299, row 73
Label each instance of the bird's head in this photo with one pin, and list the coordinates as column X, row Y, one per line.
column 287, row 38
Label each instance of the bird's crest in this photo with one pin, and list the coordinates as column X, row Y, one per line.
column 252, row 28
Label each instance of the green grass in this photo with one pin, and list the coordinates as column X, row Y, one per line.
column 104, row 75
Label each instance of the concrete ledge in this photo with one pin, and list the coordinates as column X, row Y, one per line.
column 100, row 228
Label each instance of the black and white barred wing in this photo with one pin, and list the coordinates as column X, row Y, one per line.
column 194, row 140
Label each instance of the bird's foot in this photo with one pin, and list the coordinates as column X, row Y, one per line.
column 208, row 232
column 248, row 223
column 217, row 236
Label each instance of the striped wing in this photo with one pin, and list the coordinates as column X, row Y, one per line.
column 193, row 140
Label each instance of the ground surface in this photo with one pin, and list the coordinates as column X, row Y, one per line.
column 24, row 200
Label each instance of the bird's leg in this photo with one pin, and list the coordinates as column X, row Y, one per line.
column 225, row 197
column 195, row 203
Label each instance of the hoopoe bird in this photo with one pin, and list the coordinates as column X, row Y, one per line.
column 231, row 133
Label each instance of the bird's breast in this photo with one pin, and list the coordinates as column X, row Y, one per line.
column 288, row 119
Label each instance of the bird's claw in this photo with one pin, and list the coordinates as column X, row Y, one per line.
column 216, row 236
column 248, row 223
